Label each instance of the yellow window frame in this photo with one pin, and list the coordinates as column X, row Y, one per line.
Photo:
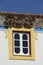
column 10, row 41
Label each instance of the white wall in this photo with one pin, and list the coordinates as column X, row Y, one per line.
column 4, row 59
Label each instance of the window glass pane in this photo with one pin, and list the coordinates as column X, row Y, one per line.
column 24, row 37
column 16, row 36
column 25, row 43
column 17, row 50
column 25, row 50
column 16, row 43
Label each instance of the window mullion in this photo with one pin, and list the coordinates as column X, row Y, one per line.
column 21, row 43
column 28, row 44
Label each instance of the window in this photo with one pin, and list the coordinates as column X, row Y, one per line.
column 21, row 43
column 25, row 43
column 16, row 43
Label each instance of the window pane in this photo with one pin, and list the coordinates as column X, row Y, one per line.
column 24, row 37
column 16, row 36
column 16, row 43
column 17, row 50
column 25, row 50
column 25, row 43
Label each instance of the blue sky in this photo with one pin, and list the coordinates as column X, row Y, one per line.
column 22, row 6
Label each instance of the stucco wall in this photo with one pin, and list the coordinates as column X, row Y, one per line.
column 4, row 59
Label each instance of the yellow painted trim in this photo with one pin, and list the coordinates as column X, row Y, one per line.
column 9, row 35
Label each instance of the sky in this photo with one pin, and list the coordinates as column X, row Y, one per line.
column 22, row 6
